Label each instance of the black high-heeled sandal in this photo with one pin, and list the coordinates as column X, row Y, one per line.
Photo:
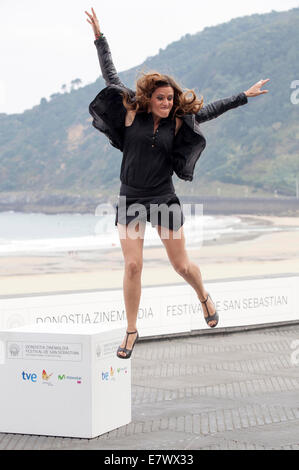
column 209, row 318
column 128, row 352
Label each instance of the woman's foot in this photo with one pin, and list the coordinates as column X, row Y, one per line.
column 128, row 343
column 209, row 309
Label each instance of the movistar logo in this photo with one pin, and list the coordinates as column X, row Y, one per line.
column 70, row 377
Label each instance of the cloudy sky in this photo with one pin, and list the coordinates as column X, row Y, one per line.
column 44, row 45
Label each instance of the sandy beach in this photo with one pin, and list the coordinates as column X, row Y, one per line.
column 234, row 256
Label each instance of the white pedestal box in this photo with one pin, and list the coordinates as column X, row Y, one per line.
column 63, row 380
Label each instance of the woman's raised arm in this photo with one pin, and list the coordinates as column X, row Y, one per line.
column 215, row 109
column 104, row 54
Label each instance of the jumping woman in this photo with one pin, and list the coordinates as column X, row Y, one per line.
column 157, row 129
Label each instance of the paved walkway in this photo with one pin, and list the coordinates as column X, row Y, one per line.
column 215, row 391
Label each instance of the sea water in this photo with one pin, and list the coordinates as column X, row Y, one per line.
column 38, row 233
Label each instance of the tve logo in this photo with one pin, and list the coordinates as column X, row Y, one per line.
column 107, row 375
column 29, row 377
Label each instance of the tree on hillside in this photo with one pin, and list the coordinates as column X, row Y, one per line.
column 75, row 83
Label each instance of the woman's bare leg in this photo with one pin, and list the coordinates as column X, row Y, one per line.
column 178, row 257
column 132, row 249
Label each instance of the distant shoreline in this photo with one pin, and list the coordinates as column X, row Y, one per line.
column 233, row 256
column 212, row 205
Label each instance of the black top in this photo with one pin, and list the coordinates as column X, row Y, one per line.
column 147, row 156
column 109, row 114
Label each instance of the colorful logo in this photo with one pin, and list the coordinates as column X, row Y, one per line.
column 106, row 375
column 29, row 377
column 45, row 376
column 69, row 377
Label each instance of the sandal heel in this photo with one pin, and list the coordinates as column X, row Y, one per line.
column 128, row 352
column 209, row 318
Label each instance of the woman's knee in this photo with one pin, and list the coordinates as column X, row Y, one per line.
column 133, row 267
column 182, row 267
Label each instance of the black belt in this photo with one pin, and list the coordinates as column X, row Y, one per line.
column 131, row 191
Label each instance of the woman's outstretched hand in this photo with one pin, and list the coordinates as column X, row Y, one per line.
column 255, row 90
column 93, row 21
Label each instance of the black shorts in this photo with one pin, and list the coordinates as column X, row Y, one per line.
column 164, row 210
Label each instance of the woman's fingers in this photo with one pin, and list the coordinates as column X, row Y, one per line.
column 255, row 90
column 93, row 21
column 90, row 16
column 93, row 16
column 259, row 85
column 262, row 82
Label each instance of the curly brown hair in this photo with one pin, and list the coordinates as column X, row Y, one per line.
column 147, row 83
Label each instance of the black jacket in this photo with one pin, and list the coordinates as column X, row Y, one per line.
column 109, row 115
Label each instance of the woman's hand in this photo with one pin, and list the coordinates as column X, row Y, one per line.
column 94, row 22
column 255, row 89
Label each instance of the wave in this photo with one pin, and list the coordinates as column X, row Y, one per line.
column 64, row 233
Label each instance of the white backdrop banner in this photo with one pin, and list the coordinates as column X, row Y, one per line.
column 166, row 309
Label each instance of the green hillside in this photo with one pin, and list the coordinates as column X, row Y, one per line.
column 251, row 150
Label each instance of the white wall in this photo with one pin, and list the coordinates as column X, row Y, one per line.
column 166, row 309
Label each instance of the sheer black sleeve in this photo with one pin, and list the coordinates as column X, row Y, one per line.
column 107, row 67
column 215, row 109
